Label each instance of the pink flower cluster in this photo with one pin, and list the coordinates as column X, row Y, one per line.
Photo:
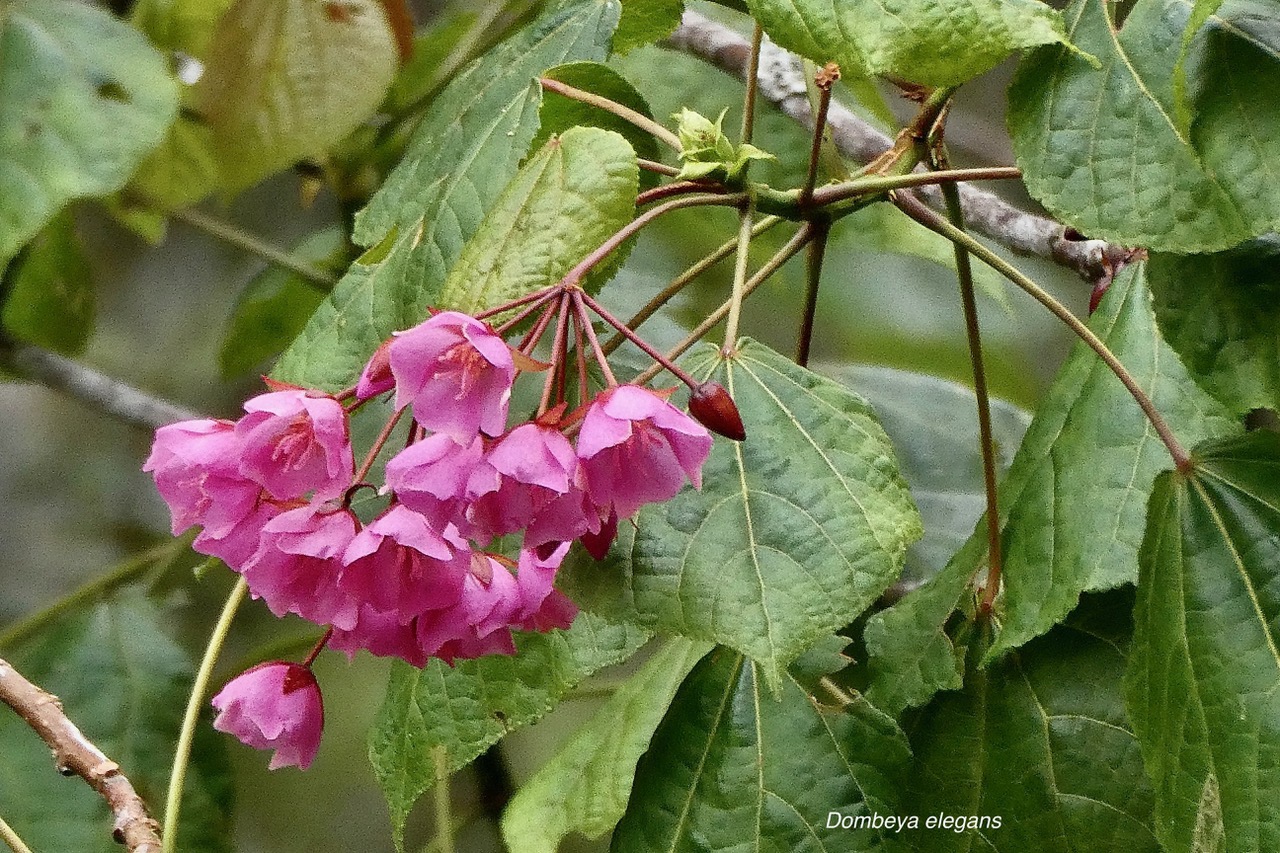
column 271, row 494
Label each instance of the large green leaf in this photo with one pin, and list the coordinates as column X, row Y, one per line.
column 1036, row 750
column 464, row 709
column 795, row 532
column 733, row 768
column 585, row 786
column 1072, row 504
column 51, row 298
column 934, row 42
column 124, row 683
column 567, row 200
column 646, row 21
column 467, row 148
column 1103, row 149
column 1200, row 688
column 286, row 79
column 1221, row 313
column 68, row 72
column 1074, row 501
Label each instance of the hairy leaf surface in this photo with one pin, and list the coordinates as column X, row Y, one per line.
column 733, row 767
column 286, row 79
column 584, row 787
column 462, row 710
column 466, row 149
column 1039, row 744
column 1201, row 683
column 1103, row 149
column 567, row 200
column 68, row 71
column 795, row 532
column 1221, row 313
column 933, row 42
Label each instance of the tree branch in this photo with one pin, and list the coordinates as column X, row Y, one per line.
column 74, row 754
column 781, row 82
column 89, row 386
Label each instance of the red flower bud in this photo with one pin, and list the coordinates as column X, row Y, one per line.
column 712, row 407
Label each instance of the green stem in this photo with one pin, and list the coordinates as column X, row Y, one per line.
column 794, row 245
column 444, row 813
column 182, row 755
column 869, row 184
column 968, row 300
column 813, row 275
column 926, row 217
column 234, row 236
column 745, row 229
column 123, row 574
column 11, row 838
column 625, row 113
column 681, row 281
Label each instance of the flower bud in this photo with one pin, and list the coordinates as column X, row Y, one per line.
column 712, row 407
column 274, row 705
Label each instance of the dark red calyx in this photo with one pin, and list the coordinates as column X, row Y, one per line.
column 712, row 407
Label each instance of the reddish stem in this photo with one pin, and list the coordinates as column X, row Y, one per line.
column 377, row 447
column 585, row 319
column 317, row 648
column 630, row 335
column 557, row 353
column 536, row 296
column 676, row 189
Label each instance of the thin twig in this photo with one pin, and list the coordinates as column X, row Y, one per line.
column 228, row 233
column 743, row 248
column 191, row 717
column 815, row 253
column 444, row 813
column 73, row 753
column 794, row 245
column 868, row 184
column 782, row 83
column 824, row 80
column 640, row 120
column 12, row 839
column 89, row 386
column 926, row 217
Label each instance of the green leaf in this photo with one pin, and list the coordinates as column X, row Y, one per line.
column 1036, row 750
column 286, row 79
column 933, row 42
column 67, row 71
column 1102, row 148
column 732, row 768
column 464, row 709
column 559, row 113
column 275, row 305
column 51, row 298
column 646, row 21
column 1067, row 527
column 124, row 683
column 1200, row 688
column 1074, row 501
column 567, row 200
column 585, row 786
column 1221, row 313
column 466, row 149
column 180, row 172
column 795, row 532
column 933, row 424
column 179, row 25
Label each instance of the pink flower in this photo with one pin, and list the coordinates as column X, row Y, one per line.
column 400, row 564
column 376, row 377
column 380, row 633
column 437, row 475
column 298, row 562
column 196, row 468
column 637, row 448
column 488, row 601
column 293, row 442
column 538, row 488
column 542, row 606
column 274, row 705
column 456, row 372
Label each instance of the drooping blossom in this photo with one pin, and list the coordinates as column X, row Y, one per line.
column 274, row 705
column 376, row 378
column 542, row 606
column 437, row 476
column 456, row 373
column 538, row 489
column 294, row 442
column 299, row 561
column 196, row 467
column 598, row 542
column 381, row 633
column 400, row 564
column 637, row 448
